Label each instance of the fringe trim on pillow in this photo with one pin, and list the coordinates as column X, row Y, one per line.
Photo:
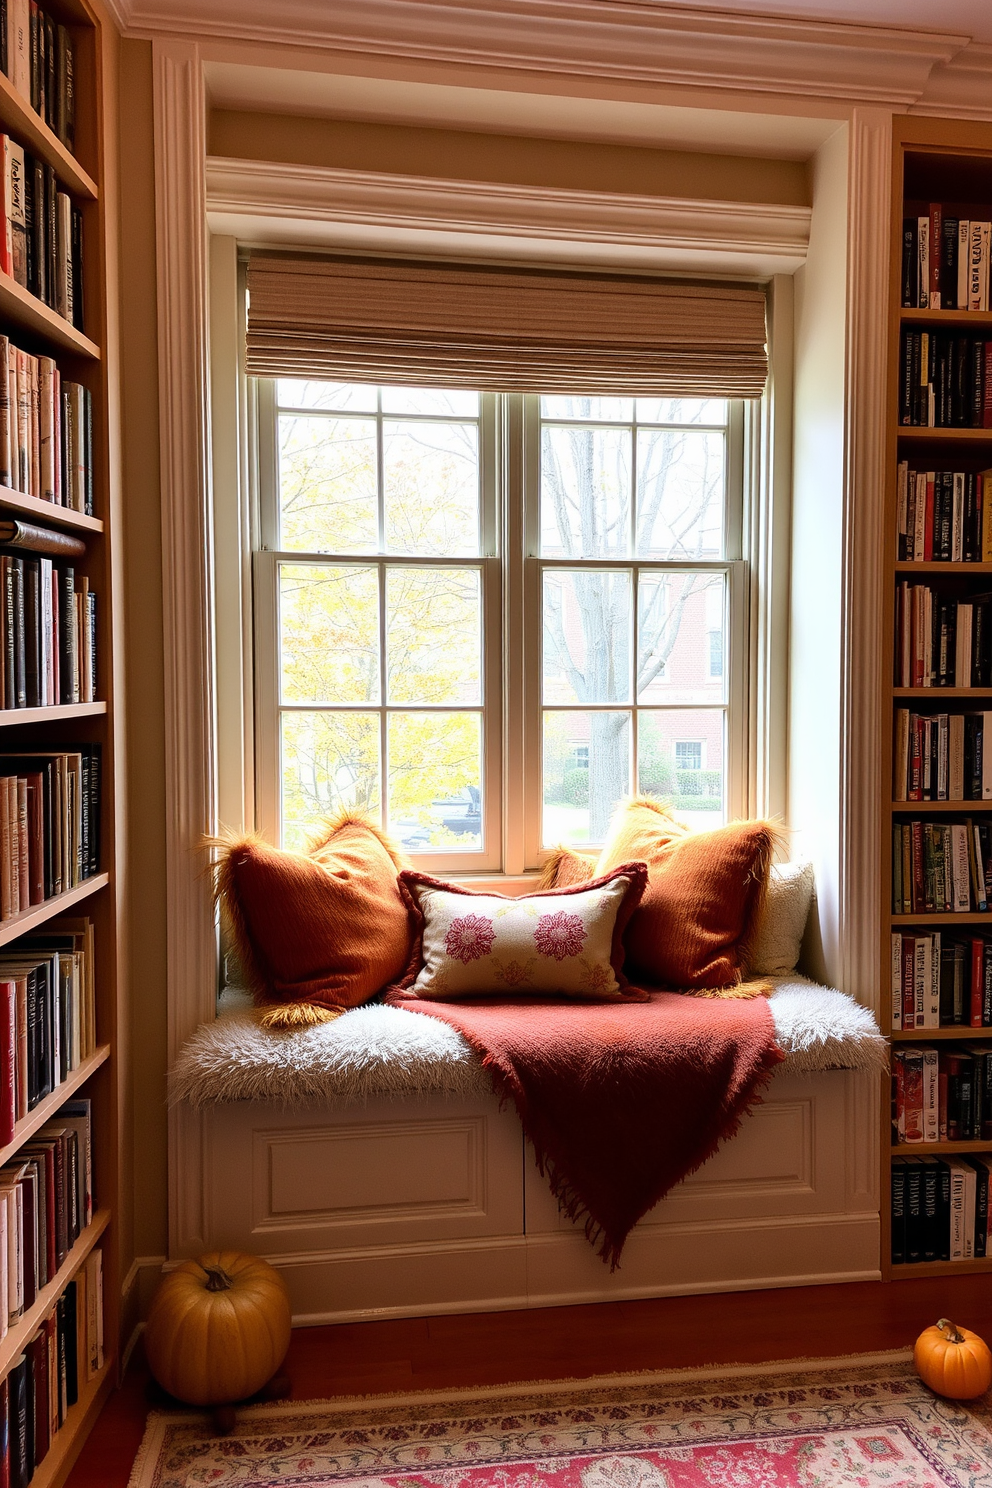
column 760, row 988
column 295, row 1015
column 761, row 870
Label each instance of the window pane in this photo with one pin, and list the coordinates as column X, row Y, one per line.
column 329, row 761
column 586, row 772
column 435, row 781
column 680, row 494
column 434, row 635
column 444, row 401
column 587, row 636
column 432, row 489
column 680, row 632
column 682, row 410
column 585, row 493
column 327, row 485
column 342, row 397
column 329, row 634
column 614, row 410
column 680, row 757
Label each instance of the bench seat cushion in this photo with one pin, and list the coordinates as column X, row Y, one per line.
column 375, row 1051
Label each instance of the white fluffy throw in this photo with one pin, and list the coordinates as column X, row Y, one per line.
column 376, row 1051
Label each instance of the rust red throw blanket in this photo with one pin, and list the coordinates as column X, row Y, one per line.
column 619, row 1101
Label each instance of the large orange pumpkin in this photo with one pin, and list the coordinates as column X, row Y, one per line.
column 218, row 1328
column 953, row 1361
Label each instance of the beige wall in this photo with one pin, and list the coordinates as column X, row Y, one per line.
column 144, row 658
column 462, row 155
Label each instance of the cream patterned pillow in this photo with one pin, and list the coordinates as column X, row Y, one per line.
column 779, row 935
column 565, row 943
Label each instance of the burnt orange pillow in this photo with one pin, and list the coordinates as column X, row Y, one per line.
column 695, row 923
column 316, row 932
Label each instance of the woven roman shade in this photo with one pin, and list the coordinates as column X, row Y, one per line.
column 503, row 330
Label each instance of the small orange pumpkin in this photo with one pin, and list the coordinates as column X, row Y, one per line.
column 954, row 1362
column 218, row 1328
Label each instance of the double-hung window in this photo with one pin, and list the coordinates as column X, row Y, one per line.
column 485, row 618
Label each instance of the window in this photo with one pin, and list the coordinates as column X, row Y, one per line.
column 438, row 573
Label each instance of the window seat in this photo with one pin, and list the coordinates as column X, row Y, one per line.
column 376, row 1052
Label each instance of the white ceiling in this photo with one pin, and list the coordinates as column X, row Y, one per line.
column 968, row 17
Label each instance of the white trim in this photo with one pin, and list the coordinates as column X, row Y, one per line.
column 184, row 415
column 862, row 662
column 633, row 40
column 260, row 202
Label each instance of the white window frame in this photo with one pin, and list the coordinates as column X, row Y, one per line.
column 512, row 569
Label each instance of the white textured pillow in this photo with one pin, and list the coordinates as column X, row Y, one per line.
column 563, row 944
column 783, row 920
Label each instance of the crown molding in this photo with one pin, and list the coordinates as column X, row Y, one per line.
column 961, row 89
column 261, row 202
column 633, row 40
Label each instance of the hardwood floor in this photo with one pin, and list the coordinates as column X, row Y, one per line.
column 564, row 1342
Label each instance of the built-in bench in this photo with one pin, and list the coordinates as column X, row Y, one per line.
column 370, row 1161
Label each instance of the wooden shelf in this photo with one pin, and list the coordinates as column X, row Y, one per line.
column 31, row 918
column 941, row 692
column 925, row 1268
column 20, row 1332
column 934, row 566
column 11, row 716
column 958, row 808
column 943, row 917
column 47, row 511
column 31, row 130
column 47, row 1108
column 960, row 1032
column 955, row 436
column 980, row 319
column 79, row 1421
column 934, row 1149
column 27, row 311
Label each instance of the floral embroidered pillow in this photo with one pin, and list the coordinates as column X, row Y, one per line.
column 564, row 943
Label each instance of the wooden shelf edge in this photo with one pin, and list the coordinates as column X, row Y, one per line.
column 33, row 315
column 963, row 1032
column 48, row 1107
column 954, row 436
column 934, row 1149
column 941, row 692
column 936, row 566
column 921, row 808
column 49, row 511
column 80, row 1419
column 944, row 917
column 9, row 717
column 945, row 317
column 39, row 913
column 21, row 1331
column 914, row 1269
column 18, row 116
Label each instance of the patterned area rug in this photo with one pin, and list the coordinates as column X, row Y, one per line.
column 862, row 1422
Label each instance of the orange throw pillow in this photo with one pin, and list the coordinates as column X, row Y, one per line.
column 565, row 868
column 317, row 932
column 694, row 925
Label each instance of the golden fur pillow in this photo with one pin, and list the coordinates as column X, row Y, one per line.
column 316, row 932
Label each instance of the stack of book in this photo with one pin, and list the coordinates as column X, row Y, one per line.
column 942, row 756
column 945, row 381
column 63, row 1355
column 47, row 1015
column 941, row 1095
column 48, row 625
column 41, row 233
column 46, row 1202
column 941, row 981
column 941, row 641
column 46, row 431
column 941, row 867
column 38, row 54
column 945, row 262
column 944, row 516
column 940, row 1209
column 49, row 824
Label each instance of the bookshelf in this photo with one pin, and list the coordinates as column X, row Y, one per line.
column 950, row 163
column 87, row 357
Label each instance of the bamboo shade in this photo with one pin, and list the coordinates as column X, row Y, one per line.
column 503, row 330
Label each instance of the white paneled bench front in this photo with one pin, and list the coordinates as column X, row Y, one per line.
column 369, row 1160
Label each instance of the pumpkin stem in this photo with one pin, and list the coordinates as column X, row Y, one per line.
column 218, row 1279
column 953, row 1336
